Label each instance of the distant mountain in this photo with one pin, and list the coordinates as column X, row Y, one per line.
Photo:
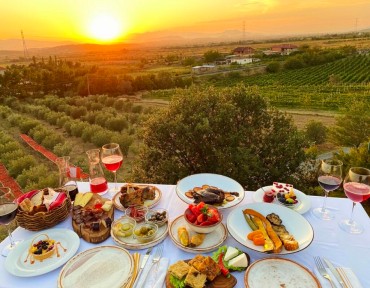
column 17, row 44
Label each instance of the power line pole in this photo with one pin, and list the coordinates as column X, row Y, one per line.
column 25, row 50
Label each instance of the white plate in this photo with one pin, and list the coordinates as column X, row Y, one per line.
column 295, row 223
column 15, row 264
column 104, row 266
column 132, row 243
column 148, row 203
column 303, row 205
column 279, row 272
column 197, row 180
column 212, row 241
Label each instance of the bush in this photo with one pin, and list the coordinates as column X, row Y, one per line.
column 226, row 131
column 316, row 132
column 273, row 67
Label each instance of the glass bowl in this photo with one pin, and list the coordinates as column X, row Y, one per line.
column 145, row 232
column 124, row 226
column 157, row 216
column 137, row 212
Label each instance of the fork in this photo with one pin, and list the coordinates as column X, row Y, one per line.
column 322, row 270
column 155, row 260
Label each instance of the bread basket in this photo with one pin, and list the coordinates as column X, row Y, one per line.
column 44, row 220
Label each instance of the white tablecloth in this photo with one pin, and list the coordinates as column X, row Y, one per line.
column 329, row 241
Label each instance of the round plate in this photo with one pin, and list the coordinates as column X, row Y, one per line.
column 132, row 243
column 197, row 180
column 93, row 268
column 212, row 241
column 303, row 205
column 15, row 264
column 295, row 223
column 278, row 272
column 148, row 203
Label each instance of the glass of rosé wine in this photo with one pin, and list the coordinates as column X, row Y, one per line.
column 111, row 157
column 356, row 185
column 329, row 178
column 8, row 211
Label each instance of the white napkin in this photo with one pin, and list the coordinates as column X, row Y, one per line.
column 155, row 278
column 350, row 279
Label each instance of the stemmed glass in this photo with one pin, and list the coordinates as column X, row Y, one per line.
column 329, row 178
column 356, row 185
column 112, row 158
column 8, row 211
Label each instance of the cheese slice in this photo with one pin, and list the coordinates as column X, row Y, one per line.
column 231, row 253
column 86, row 198
column 78, row 199
column 239, row 261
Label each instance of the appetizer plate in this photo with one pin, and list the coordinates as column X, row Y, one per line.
column 131, row 243
column 148, row 203
column 295, row 223
column 279, row 272
column 303, row 205
column 104, row 266
column 15, row 264
column 212, row 241
column 197, row 180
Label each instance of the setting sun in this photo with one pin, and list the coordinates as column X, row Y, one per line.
column 104, row 27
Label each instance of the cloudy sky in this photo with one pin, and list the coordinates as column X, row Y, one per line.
column 105, row 21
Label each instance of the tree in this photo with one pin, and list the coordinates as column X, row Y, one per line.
column 228, row 131
column 273, row 67
column 212, row 56
column 353, row 127
column 316, row 132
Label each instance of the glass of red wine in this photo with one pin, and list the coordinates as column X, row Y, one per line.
column 356, row 185
column 111, row 157
column 8, row 211
column 329, row 178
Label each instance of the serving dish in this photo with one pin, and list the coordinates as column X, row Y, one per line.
column 295, row 223
column 222, row 182
column 15, row 264
column 93, row 268
column 303, row 205
column 279, row 272
column 148, row 203
column 211, row 242
column 132, row 243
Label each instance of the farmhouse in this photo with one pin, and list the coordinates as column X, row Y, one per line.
column 284, row 49
column 243, row 51
column 241, row 61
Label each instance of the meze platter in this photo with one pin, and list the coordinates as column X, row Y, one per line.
column 25, row 262
column 214, row 189
column 136, row 194
column 296, row 226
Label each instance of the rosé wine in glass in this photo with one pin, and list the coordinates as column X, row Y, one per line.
column 112, row 158
column 98, row 185
column 112, row 162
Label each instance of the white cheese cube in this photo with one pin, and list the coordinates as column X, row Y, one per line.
column 230, row 253
column 239, row 261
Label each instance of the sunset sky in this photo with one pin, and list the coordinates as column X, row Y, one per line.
column 107, row 21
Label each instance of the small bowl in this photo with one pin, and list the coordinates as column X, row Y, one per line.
column 141, row 236
column 124, row 226
column 203, row 229
column 157, row 216
column 137, row 212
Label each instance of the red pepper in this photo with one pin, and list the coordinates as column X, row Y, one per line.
column 224, row 270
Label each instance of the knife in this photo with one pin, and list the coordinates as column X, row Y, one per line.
column 145, row 259
column 335, row 272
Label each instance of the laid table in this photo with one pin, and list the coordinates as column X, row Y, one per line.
column 329, row 241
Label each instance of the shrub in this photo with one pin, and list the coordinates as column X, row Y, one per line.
column 316, row 132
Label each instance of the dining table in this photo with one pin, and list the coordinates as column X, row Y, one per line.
column 329, row 241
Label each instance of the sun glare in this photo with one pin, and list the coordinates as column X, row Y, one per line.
column 105, row 28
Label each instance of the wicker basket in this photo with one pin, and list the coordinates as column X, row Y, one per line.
column 44, row 220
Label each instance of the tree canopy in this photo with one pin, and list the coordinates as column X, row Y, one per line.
column 229, row 131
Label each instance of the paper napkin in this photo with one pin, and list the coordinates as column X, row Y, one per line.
column 154, row 275
column 349, row 278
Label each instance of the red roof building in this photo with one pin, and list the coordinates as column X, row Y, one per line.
column 284, row 49
column 243, row 51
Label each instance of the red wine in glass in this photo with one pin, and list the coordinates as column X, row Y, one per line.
column 8, row 211
column 112, row 162
column 329, row 183
column 98, row 185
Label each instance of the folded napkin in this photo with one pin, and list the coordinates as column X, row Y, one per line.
column 349, row 278
column 136, row 257
column 154, row 276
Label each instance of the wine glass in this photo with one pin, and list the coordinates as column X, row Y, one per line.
column 8, row 211
column 112, row 158
column 329, row 178
column 356, row 185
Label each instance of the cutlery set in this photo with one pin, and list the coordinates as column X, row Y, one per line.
column 324, row 273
